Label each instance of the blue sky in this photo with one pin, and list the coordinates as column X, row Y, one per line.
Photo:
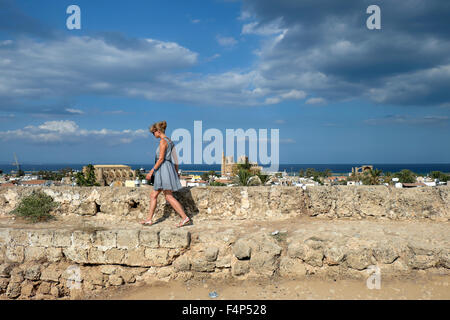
column 338, row 92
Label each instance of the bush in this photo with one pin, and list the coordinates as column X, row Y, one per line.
column 35, row 207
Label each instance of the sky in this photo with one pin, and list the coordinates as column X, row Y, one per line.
column 336, row 91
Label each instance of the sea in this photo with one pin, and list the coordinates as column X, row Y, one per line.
column 291, row 169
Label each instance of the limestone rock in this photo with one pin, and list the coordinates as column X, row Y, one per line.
column 241, row 250
column 169, row 238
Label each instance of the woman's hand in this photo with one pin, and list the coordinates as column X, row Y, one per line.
column 149, row 175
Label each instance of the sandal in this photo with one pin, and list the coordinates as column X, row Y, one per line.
column 147, row 222
column 184, row 222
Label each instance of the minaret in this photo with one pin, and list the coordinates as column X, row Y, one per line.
column 222, row 169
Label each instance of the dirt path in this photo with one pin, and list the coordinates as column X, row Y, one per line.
column 435, row 288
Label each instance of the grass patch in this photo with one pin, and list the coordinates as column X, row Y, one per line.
column 280, row 236
column 35, row 207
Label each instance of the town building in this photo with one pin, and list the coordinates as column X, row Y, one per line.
column 105, row 175
column 230, row 168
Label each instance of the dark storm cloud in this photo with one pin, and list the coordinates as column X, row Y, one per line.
column 329, row 43
column 16, row 22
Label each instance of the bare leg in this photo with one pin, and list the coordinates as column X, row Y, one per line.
column 153, row 202
column 175, row 204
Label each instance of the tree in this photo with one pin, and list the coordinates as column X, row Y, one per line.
column 372, row 177
column 88, row 178
column 243, row 176
column 439, row 175
column 20, row 173
column 263, row 177
column 206, row 175
column 1, row 171
column 301, row 173
column 406, row 176
column 139, row 175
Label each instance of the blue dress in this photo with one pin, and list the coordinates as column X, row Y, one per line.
column 166, row 177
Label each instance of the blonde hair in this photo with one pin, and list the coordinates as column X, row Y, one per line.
column 159, row 126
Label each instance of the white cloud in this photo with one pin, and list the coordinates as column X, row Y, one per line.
column 66, row 131
column 226, row 41
column 74, row 111
column 315, row 101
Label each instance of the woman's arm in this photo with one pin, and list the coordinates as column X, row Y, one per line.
column 162, row 153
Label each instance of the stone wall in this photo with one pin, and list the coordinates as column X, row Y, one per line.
column 65, row 263
column 260, row 203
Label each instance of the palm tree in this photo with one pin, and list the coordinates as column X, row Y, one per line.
column 243, row 176
column 372, row 176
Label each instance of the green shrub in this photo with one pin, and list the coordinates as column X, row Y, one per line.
column 35, row 207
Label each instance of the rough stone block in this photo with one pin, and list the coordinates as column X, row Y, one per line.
column 51, row 273
column 169, row 238
column 240, row 267
column 127, row 239
column 4, row 236
column 211, row 254
column 62, row 238
column 157, row 257
column 77, row 255
column 242, row 250
column 292, row 267
column 105, row 239
column 19, row 237
column 15, row 254
column 182, row 264
column 115, row 256
column 96, row 256
column 149, row 238
column 82, row 239
column 5, row 270
column 201, row 265
column 34, row 253
column 41, row 238
column 54, row 254
column 33, row 272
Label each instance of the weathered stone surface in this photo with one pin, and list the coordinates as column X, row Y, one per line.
column 115, row 280
column 41, row 238
column 105, row 239
column 33, row 272
column 211, row 254
column 51, row 273
column 62, row 239
column 359, row 258
column 182, row 264
column 19, row 237
column 27, row 289
column 240, row 267
column 14, row 290
column 170, row 238
column 241, row 249
column 292, row 268
column 44, row 288
column 333, row 255
column 55, row 254
column 127, row 239
column 200, row 264
column 3, row 285
column 149, row 238
column 15, row 254
column 306, row 253
column 5, row 270
column 255, row 202
column 82, row 239
column 77, row 255
column 115, row 256
column 35, row 253
column 157, row 257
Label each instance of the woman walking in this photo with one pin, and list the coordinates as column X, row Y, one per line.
column 166, row 175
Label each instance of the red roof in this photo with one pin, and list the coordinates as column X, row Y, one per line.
column 33, row 182
column 7, row 185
